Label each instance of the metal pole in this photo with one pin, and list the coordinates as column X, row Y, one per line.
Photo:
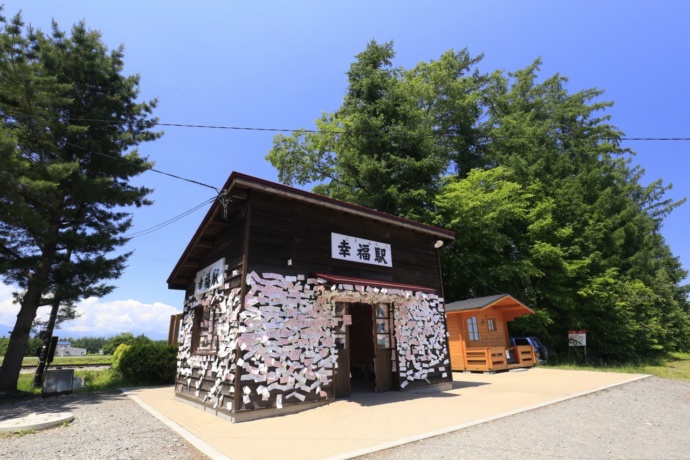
column 43, row 357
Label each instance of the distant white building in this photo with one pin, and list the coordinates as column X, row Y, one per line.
column 66, row 349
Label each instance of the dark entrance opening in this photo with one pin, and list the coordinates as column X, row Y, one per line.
column 362, row 351
column 365, row 345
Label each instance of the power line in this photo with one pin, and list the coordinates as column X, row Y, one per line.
column 240, row 128
column 169, row 221
column 130, row 161
column 150, row 169
column 655, row 138
column 184, row 179
column 340, row 131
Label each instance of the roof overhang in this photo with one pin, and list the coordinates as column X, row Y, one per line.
column 337, row 279
column 505, row 304
column 237, row 188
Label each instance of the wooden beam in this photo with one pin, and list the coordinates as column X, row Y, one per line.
column 205, row 244
column 192, row 263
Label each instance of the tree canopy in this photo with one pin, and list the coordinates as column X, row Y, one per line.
column 531, row 176
column 71, row 121
column 386, row 148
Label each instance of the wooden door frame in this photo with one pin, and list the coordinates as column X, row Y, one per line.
column 384, row 353
column 342, row 373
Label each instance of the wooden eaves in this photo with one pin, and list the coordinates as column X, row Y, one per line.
column 236, row 189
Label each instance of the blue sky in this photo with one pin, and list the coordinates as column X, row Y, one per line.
column 278, row 64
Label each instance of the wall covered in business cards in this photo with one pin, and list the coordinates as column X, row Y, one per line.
column 278, row 348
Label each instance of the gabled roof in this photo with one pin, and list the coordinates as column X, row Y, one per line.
column 236, row 188
column 509, row 306
column 374, row 283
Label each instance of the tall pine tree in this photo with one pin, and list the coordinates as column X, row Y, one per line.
column 70, row 122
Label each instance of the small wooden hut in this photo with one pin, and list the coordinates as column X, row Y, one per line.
column 478, row 334
column 293, row 299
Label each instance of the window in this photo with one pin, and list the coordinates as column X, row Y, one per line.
column 383, row 326
column 491, row 324
column 344, row 320
column 203, row 336
column 472, row 329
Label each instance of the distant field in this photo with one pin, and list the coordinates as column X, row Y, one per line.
column 69, row 360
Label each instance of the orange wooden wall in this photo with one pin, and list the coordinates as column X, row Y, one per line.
column 459, row 338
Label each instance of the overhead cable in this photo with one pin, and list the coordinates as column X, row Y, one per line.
column 150, row 169
column 169, row 221
column 340, row 131
column 334, row 131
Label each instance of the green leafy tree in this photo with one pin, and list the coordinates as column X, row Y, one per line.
column 493, row 216
column 71, row 120
column 126, row 338
column 395, row 135
column 531, row 176
column 599, row 260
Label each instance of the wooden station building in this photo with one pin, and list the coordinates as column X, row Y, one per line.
column 478, row 334
column 293, row 299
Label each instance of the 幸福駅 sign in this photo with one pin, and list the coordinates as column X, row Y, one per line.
column 211, row 277
column 354, row 249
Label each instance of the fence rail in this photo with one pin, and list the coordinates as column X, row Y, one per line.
column 491, row 359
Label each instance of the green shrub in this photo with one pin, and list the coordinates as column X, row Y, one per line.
column 146, row 363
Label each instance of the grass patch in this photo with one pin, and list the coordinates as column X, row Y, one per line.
column 100, row 380
column 675, row 366
column 94, row 380
column 26, row 382
column 88, row 360
column 17, row 434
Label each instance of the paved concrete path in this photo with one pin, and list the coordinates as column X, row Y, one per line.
column 369, row 422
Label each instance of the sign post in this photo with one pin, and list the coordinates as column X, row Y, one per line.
column 578, row 338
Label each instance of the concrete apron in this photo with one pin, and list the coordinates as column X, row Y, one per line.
column 368, row 422
column 35, row 422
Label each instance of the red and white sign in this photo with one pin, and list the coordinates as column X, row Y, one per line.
column 577, row 338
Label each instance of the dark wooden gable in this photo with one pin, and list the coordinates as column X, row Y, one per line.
column 283, row 228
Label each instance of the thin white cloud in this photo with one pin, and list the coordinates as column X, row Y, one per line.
column 101, row 318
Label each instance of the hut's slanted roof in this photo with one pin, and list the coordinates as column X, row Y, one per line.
column 508, row 305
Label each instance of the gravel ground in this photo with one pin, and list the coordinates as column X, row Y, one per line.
column 646, row 419
column 105, row 426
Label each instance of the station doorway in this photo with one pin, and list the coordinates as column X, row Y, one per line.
column 366, row 348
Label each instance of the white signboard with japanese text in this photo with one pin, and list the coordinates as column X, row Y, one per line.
column 211, row 277
column 577, row 338
column 360, row 250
